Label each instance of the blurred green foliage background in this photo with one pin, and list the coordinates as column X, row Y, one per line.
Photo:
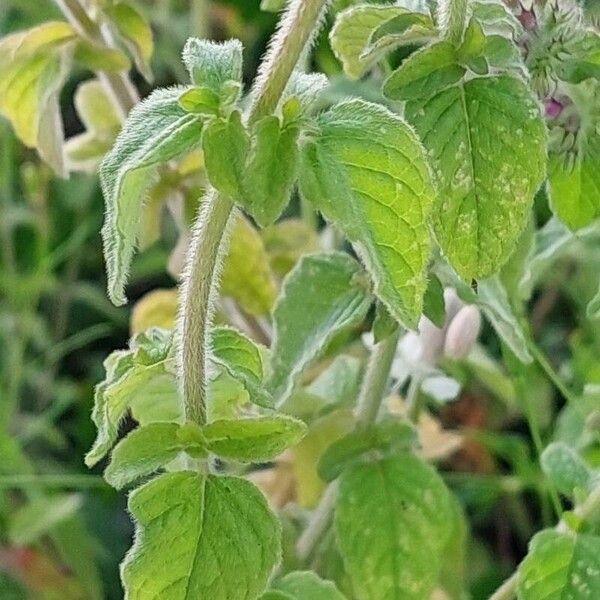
column 57, row 327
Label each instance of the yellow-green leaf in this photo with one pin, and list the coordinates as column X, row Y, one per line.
column 33, row 66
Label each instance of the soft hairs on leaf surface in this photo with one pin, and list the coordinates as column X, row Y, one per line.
column 488, row 144
column 156, row 131
column 257, row 439
column 393, row 519
column 352, row 32
column 191, row 530
column 149, row 448
column 212, row 64
column 321, row 296
column 365, row 169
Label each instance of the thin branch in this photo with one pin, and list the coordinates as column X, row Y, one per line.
column 297, row 27
column 373, row 389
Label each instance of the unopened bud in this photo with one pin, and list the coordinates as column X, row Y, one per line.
column 462, row 333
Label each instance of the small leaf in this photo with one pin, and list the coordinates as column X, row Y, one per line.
column 424, row 73
column 242, row 359
column 352, row 31
column 213, row 64
column 190, row 530
column 156, row 131
column 135, row 32
column 375, row 440
column 258, row 439
column 306, row 585
column 147, row 449
column 384, row 324
column 565, row 468
column 323, row 295
column 246, row 276
column 366, row 171
column 145, row 371
column 270, row 169
column 560, row 565
column 575, row 188
column 201, row 100
column 434, row 307
column 33, row 66
column 306, row 88
column 487, row 189
column 407, row 29
column 473, row 41
column 226, row 145
column 393, row 519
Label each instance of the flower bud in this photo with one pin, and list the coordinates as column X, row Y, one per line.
column 462, row 333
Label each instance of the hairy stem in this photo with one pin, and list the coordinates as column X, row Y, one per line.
column 117, row 85
column 453, row 19
column 372, row 392
column 298, row 24
column 588, row 509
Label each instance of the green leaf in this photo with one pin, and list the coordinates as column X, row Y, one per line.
column 226, row 145
column 270, row 169
column 257, row 439
column 383, row 324
column 352, row 31
column 145, row 369
column 575, row 187
column 147, row 449
column 156, row 131
column 247, row 276
column 323, row 295
column 375, row 440
column 40, row 515
column 33, row 66
column 274, row 594
column 407, row 29
column 303, row 90
column 136, row 34
column 434, row 307
column 487, row 188
column 473, row 42
column 565, row 468
column 366, row 171
column 561, row 565
column 425, row 73
column 214, row 65
column 242, row 359
column 305, row 585
column 393, row 519
column 497, row 18
column 191, row 531
column 201, row 100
